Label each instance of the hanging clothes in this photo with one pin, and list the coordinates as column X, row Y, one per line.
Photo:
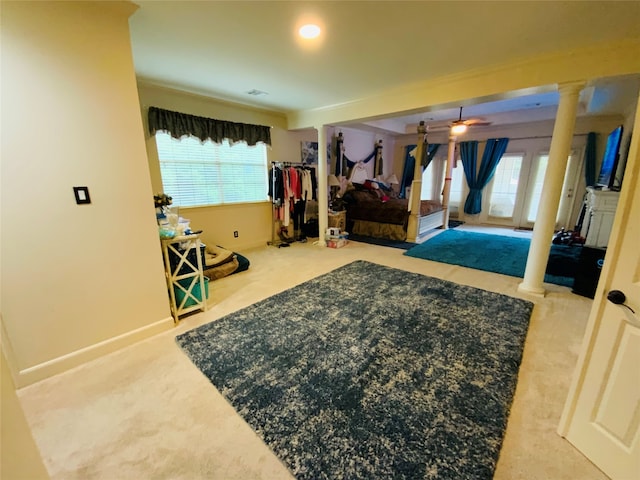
column 276, row 185
column 294, row 182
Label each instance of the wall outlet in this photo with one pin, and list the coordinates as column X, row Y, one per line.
column 235, row 233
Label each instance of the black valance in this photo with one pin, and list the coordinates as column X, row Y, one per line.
column 178, row 124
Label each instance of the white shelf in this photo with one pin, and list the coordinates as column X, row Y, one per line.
column 185, row 277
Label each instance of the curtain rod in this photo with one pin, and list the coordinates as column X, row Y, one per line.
column 545, row 136
column 520, row 138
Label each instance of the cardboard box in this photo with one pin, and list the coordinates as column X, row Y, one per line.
column 337, row 243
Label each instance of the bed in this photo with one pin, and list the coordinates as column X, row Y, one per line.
column 375, row 213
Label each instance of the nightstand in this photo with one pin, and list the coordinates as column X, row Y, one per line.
column 338, row 220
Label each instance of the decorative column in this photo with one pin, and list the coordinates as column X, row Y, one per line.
column 323, row 195
column 551, row 189
column 413, row 226
column 446, row 190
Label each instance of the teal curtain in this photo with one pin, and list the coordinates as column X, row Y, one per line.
column 590, row 160
column 493, row 152
column 469, row 156
column 409, row 164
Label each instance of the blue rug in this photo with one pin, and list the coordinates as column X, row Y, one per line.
column 496, row 253
column 370, row 372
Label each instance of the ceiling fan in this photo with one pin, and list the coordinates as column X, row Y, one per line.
column 460, row 125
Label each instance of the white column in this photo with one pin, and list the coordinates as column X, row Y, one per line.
column 413, row 225
column 323, row 199
column 551, row 189
column 446, row 191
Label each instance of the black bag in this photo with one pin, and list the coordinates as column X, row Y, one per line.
column 311, row 228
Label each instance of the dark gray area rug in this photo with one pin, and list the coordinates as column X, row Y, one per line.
column 370, row 372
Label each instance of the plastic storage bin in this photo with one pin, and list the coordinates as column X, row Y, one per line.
column 195, row 291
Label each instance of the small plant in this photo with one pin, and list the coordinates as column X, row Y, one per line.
column 162, row 200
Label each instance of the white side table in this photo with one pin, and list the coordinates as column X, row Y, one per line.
column 183, row 270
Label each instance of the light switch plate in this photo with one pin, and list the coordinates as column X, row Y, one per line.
column 82, row 195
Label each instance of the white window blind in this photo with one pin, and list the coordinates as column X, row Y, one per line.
column 205, row 173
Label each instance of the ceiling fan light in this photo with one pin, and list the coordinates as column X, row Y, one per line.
column 458, row 128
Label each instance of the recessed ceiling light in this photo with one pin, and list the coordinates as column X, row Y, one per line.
column 309, row 31
column 256, row 92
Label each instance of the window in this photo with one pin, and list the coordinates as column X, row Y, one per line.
column 457, row 186
column 427, row 182
column 538, row 182
column 206, row 173
column 433, row 179
column 505, row 186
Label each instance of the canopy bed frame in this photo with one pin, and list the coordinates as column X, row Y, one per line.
column 372, row 211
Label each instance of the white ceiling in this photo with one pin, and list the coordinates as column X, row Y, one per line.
column 225, row 49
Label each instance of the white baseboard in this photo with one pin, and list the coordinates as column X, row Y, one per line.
column 68, row 361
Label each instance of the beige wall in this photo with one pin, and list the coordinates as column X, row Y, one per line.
column 252, row 221
column 77, row 280
column 358, row 145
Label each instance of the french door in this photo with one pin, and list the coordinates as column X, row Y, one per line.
column 513, row 195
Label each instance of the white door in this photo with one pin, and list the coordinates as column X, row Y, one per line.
column 602, row 412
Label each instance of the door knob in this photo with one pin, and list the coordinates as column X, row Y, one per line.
column 618, row 297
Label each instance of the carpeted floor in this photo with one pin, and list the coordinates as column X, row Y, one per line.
column 371, row 372
column 496, row 253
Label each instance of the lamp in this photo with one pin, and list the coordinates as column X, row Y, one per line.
column 333, row 182
column 392, row 180
column 334, row 186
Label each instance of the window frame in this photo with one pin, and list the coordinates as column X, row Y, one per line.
column 217, row 166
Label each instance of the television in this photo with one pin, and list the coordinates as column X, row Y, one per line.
column 607, row 176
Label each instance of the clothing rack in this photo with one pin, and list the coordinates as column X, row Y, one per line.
column 277, row 242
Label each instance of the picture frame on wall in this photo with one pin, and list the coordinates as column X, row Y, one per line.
column 309, row 152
